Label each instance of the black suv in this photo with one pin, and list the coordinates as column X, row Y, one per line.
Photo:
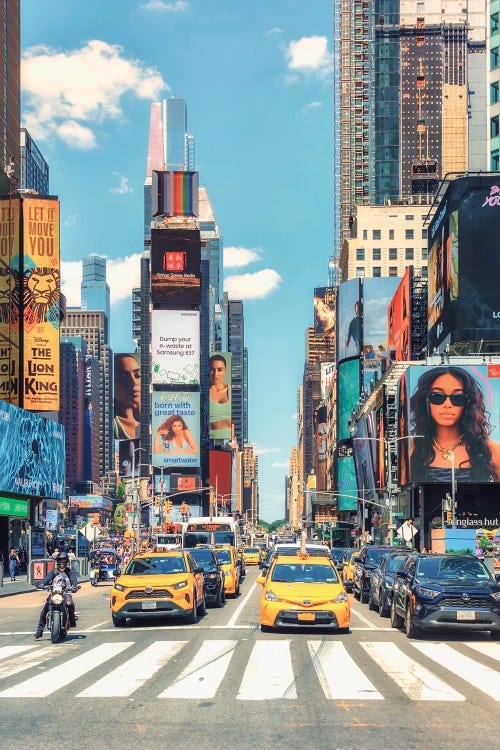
column 382, row 580
column 368, row 559
column 445, row 591
column 212, row 575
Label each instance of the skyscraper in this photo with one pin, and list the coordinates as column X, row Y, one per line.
column 34, row 170
column 10, row 92
column 236, row 345
column 94, row 288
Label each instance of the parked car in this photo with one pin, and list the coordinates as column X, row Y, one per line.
column 369, row 557
column 382, row 581
column 349, row 560
column 337, row 554
column 213, row 576
column 434, row 592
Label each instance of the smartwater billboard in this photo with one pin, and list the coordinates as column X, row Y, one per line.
column 175, row 341
column 176, row 428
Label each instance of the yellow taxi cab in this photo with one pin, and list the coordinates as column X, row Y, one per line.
column 349, row 564
column 251, row 555
column 162, row 584
column 301, row 590
column 231, row 567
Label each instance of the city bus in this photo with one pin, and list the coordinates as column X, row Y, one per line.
column 205, row 530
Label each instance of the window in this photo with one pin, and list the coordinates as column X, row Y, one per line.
column 377, row 271
column 360, row 272
column 424, row 234
column 377, row 234
column 494, row 92
column 424, row 272
column 360, row 253
column 494, row 57
column 393, row 253
column 391, row 234
column 393, row 270
column 409, row 234
column 377, row 253
column 495, row 160
column 425, row 253
column 494, row 126
column 409, row 217
column 494, row 23
column 408, row 253
column 365, row 234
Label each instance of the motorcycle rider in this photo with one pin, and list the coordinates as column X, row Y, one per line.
column 62, row 566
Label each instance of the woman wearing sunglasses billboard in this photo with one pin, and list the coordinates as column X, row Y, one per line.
column 448, row 410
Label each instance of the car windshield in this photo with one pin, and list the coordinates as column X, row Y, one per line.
column 223, row 556
column 373, row 556
column 394, row 563
column 452, row 569
column 204, row 558
column 337, row 554
column 304, row 573
column 154, row 566
column 252, row 550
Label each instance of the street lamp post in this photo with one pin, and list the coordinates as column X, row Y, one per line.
column 136, row 500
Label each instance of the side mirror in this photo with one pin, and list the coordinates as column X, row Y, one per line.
column 497, row 577
column 198, row 570
column 355, row 559
column 116, row 572
column 261, row 580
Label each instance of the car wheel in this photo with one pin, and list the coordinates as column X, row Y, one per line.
column 371, row 603
column 383, row 609
column 220, row 601
column 118, row 622
column 363, row 596
column 396, row 620
column 237, row 591
column 355, row 593
column 495, row 635
column 266, row 629
column 193, row 615
column 202, row 610
column 411, row 630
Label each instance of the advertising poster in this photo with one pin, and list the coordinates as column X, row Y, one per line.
column 41, row 304
column 127, row 397
column 10, row 299
column 184, row 482
column 346, row 480
column 363, row 460
column 324, row 311
column 453, row 413
column 176, row 428
column 175, row 266
column 399, row 320
column 129, row 457
column 175, row 341
column 327, row 378
column 321, row 433
column 348, row 385
column 35, row 447
column 161, row 484
column 349, row 319
column 377, row 296
column 173, row 194
column 219, row 393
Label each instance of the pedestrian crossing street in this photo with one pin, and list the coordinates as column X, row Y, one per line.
column 266, row 673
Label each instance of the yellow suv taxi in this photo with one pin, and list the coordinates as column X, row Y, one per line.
column 251, row 555
column 231, row 567
column 166, row 584
column 348, row 569
column 300, row 590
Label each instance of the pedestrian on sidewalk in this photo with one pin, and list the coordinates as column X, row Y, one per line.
column 14, row 561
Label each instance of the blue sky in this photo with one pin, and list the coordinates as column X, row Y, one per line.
column 257, row 79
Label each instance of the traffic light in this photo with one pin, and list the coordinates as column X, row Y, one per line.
column 447, row 516
column 167, row 507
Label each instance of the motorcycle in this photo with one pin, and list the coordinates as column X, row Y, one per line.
column 57, row 621
column 97, row 575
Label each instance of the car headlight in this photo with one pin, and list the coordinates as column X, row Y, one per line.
column 496, row 595
column 211, row 576
column 271, row 596
column 119, row 587
column 430, row 593
column 342, row 597
column 180, row 585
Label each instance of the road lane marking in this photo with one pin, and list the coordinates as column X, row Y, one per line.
column 492, row 650
column 204, row 673
column 48, row 682
column 365, row 620
column 339, row 675
column 7, row 651
column 127, row 678
column 93, row 627
column 483, row 678
column 26, row 661
column 269, row 673
column 417, row 682
column 236, row 613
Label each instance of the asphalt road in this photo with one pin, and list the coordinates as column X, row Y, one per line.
column 223, row 683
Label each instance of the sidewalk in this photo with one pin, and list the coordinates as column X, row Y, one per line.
column 19, row 586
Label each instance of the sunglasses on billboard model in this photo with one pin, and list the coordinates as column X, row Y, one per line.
column 456, row 399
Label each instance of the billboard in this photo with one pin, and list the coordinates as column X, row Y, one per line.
column 348, row 385
column 220, row 472
column 399, row 320
column 174, row 194
column 324, row 311
column 10, row 299
column 176, row 428
column 377, row 296
column 363, row 446
column 219, row 393
column 453, row 413
column 175, row 341
column 127, row 397
column 41, row 303
column 349, row 319
column 346, row 480
column 464, row 265
column 184, row 482
column 35, row 447
column 175, row 266
column 129, row 457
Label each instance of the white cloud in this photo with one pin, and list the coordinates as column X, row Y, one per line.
column 237, row 257
column 309, row 54
column 252, row 285
column 275, row 32
column 68, row 92
column 261, row 450
column 176, row 7
column 122, row 274
column 311, row 106
column 123, row 188
column 71, row 221
column 280, row 465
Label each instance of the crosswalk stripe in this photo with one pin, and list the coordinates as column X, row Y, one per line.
column 483, row 678
column 25, row 661
column 127, row 678
column 203, row 675
column 269, row 673
column 492, row 650
column 53, row 679
column 416, row 681
column 7, row 651
column 339, row 675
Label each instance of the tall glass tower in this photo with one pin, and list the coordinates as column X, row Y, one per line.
column 95, row 289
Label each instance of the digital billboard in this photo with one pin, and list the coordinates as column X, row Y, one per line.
column 129, row 457
column 399, row 320
column 349, row 319
column 348, row 385
column 346, row 480
column 175, row 266
column 321, row 432
column 324, row 311
column 176, row 428
column 175, row 342
column 41, row 304
column 363, row 459
column 184, row 482
column 464, row 265
column 221, row 467
column 452, row 412
column 33, row 450
column 219, row 393
column 127, row 397
column 10, row 299
column 173, row 194
column 377, row 296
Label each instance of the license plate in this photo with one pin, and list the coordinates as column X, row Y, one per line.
column 466, row 615
column 306, row 617
column 149, row 605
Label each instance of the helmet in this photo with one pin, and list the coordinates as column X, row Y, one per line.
column 62, row 560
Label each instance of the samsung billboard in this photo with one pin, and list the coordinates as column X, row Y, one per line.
column 175, row 342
